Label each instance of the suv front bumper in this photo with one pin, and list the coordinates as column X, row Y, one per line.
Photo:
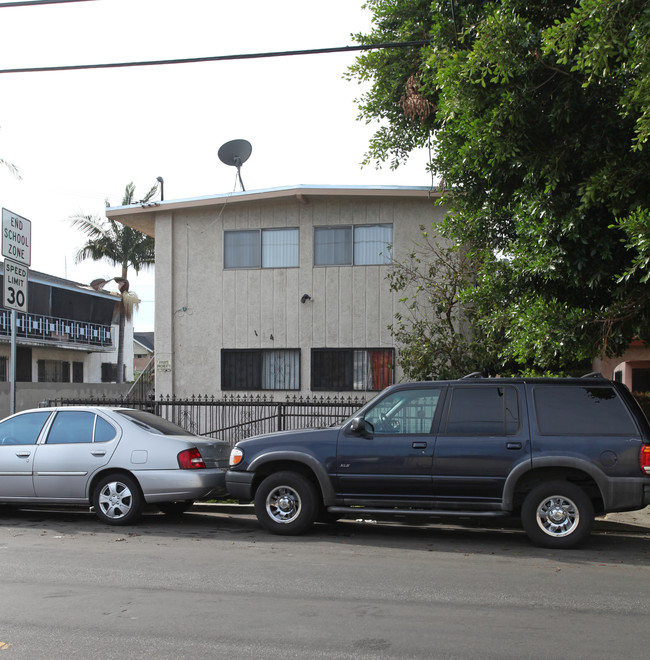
column 240, row 485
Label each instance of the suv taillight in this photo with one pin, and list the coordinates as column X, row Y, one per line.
column 190, row 459
column 644, row 459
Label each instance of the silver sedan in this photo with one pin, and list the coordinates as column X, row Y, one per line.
column 113, row 459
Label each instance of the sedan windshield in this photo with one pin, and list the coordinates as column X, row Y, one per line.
column 153, row 423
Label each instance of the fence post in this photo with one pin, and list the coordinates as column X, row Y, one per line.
column 281, row 417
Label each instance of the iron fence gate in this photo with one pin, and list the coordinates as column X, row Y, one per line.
column 237, row 417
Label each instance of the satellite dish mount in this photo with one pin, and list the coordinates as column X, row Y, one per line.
column 236, row 153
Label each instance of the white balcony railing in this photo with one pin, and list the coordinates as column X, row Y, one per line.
column 56, row 330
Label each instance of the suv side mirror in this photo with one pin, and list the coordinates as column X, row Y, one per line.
column 358, row 425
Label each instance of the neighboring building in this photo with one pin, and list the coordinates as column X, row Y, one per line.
column 279, row 291
column 67, row 338
column 632, row 368
column 143, row 351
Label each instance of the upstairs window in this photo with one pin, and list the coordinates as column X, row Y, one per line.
column 353, row 245
column 260, row 248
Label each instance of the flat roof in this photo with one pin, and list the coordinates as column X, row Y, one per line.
column 142, row 216
column 62, row 283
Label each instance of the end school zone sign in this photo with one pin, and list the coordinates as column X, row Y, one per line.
column 16, row 238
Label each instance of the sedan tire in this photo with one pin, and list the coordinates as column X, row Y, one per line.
column 117, row 499
column 286, row 503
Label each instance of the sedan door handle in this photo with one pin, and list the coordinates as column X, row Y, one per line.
column 98, row 452
column 419, row 445
column 513, row 445
column 23, row 454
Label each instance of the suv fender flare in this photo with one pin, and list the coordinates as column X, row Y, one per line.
column 550, row 462
column 309, row 461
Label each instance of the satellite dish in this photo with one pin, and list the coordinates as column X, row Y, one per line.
column 236, row 153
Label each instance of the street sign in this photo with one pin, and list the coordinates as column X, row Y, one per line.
column 15, row 286
column 16, row 238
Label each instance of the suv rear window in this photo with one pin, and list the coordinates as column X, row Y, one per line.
column 581, row 411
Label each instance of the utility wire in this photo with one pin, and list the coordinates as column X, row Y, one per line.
column 25, row 3
column 217, row 58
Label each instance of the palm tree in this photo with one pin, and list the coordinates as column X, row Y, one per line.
column 122, row 246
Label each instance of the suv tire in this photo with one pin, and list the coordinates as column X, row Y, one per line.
column 286, row 503
column 557, row 514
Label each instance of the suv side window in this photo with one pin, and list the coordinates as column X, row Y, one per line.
column 405, row 412
column 484, row 410
column 581, row 411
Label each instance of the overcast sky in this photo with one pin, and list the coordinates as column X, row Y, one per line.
column 79, row 137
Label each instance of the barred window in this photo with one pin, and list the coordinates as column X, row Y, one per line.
column 358, row 245
column 351, row 369
column 260, row 369
column 109, row 372
column 77, row 372
column 53, row 371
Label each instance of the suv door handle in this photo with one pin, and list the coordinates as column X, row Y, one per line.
column 23, row 454
column 419, row 445
column 513, row 445
column 98, row 452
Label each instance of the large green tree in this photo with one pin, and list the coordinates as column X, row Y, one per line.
column 539, row 114
column 434, row 330
column 121, row 246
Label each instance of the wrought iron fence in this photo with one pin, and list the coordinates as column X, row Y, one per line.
column 237, row 417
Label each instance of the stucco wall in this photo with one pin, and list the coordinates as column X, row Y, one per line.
column 201, row 308
column 31, row 395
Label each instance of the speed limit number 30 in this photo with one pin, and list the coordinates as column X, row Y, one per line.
column 15, row 286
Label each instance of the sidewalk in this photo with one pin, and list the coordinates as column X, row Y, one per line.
column 634, row 521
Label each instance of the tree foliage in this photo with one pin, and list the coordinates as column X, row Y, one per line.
column 433, row 330
column 541, row 116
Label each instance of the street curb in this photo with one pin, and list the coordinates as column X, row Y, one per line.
column 611, row 522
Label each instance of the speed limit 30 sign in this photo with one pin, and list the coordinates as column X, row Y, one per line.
column 15, row 286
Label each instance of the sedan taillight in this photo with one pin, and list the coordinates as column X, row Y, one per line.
column 190, row 459
column 644, row 459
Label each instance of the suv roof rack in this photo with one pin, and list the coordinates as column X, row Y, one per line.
column 474, row 374
column 593, row 374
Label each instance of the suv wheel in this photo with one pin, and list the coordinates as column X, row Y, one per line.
column 286, row 503
column 557, row 514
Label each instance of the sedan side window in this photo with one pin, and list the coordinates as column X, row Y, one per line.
column 23, row 429
column 404, row 412
column 71, row 426
column 103, row 430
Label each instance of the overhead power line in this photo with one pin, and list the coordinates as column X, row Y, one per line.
column 216, row 58
column 25, row 3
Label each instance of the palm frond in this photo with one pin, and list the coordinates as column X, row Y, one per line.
column 11, row 167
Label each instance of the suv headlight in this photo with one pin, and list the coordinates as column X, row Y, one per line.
column 236, row 456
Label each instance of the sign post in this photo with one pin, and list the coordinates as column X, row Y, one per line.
column 17, row 251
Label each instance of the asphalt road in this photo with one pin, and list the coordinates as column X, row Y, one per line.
column 213, row 585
